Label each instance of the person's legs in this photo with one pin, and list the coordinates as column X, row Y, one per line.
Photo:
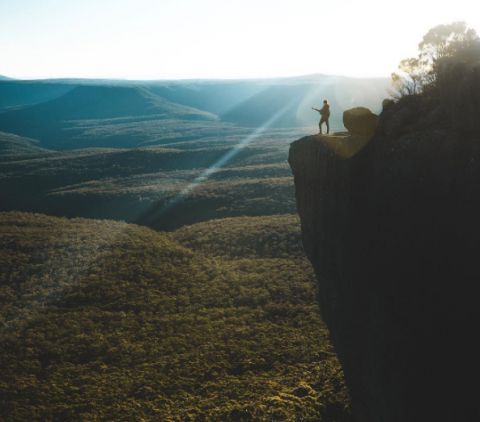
column 324, row 120
column 320, row 127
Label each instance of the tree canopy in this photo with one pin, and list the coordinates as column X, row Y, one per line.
column 441, row 42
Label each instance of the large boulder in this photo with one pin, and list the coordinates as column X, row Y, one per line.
column 360, row 121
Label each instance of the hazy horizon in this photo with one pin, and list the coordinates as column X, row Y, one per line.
column 167, row 40
column 206, row 79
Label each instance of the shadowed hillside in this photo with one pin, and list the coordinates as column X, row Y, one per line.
column 15, row 93
column 13, row 147
column 214, row 96
column 45, row 121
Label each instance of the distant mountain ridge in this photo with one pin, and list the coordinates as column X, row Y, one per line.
column 51, row 121
column 99, row 102
column 50, row 110
column 15, row 93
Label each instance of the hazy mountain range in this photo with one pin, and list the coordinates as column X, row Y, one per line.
column 62, row 113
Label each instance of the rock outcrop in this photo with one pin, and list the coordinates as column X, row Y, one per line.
column 393, row 232
column 360, row 121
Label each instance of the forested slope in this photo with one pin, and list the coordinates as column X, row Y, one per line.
column 103, row 320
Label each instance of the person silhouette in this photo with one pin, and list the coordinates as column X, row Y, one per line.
column 324, row 116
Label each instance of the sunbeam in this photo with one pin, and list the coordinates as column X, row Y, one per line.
column 221, row 162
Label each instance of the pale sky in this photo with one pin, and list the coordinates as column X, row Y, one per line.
column 181, row 39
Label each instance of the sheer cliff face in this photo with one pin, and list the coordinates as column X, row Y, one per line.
column 393, row 233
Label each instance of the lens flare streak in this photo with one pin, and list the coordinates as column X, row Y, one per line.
column 224, row 160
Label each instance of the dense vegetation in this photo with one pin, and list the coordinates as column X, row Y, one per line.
column 277, row 236
column 103, row 320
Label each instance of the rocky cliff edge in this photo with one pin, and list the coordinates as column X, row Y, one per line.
column 391, row 226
